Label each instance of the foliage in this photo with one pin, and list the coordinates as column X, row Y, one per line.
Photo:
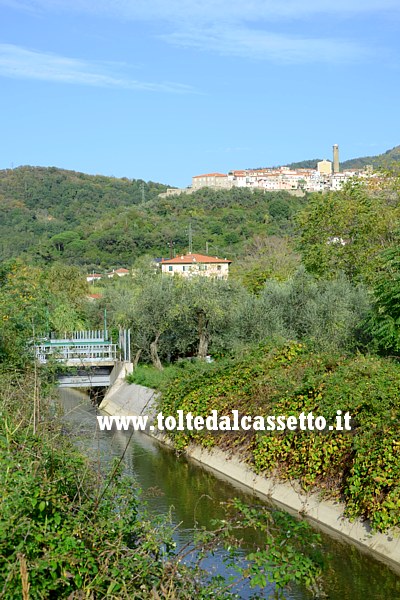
column 281, row 559
column 103, row 222
column 207, row 310
column 327, row 313
column 34, row 302
column 360, row 466
column 52, row 212
column 181, row 317
column 154, row 378
column 173, row 316
column 21, row 310
column 345, row 231
column 384, row 320
column 66, row 531
column 390, row 157
column 265, row 257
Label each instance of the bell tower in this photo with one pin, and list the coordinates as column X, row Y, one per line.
column 335, row 158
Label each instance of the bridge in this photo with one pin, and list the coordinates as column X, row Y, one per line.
column 90, row 355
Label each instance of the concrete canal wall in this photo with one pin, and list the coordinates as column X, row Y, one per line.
column 131, row 399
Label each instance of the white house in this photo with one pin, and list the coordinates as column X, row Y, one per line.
column 93, row 277
column 191, row 264
column 121, row 272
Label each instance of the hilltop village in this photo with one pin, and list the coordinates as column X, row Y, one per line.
column 326, row 175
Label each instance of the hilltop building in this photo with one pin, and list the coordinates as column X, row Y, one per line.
column 214, row 180
column 324, row 177
column 324, row 167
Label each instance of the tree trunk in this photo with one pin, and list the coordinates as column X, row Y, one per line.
column 155, row 359
column 136, row 359
column 203, row 335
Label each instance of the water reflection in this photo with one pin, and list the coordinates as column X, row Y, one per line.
column 195, row 494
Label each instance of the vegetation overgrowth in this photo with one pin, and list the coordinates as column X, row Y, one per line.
column 326, row 320
column 69, row 531
column 103, row 222
column 308, row 321
column 160, row 379
column 360, row 467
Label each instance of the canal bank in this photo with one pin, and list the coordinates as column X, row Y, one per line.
column 133, row 399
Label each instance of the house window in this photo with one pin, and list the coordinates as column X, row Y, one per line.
column 170, row 268
column 219, row 267
column 184, row 268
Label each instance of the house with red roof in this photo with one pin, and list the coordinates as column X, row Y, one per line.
column 212, row 180
column 192, row 263
column 121, row 272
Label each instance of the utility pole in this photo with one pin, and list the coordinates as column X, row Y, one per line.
column 190, row 239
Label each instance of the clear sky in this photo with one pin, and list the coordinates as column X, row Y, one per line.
column 165, row 89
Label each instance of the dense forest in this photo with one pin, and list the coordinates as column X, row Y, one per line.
column 101, row 222
column 48, row 213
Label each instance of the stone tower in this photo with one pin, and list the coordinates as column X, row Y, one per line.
column 335, row 158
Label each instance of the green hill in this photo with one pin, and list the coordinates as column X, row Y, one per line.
column 305, row 164
column 380, row 160
column 39, row 205
column 49, row 214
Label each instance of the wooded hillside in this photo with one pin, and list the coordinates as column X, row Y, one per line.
column 378, row 160
column 49, row 214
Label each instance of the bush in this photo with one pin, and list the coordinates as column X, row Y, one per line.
column 327, row 313
column 361, row 467
column 66, row 533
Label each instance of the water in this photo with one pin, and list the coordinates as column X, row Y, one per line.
column 192, row 495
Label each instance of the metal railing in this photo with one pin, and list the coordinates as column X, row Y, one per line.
column 78, row 352
column 91, row 335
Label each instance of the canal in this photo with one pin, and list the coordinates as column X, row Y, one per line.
column 192, row 495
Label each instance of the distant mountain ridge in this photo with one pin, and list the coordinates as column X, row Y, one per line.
column 379, row 160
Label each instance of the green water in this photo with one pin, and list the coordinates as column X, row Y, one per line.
column 193, row 495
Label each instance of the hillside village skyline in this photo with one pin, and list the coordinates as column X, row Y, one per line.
column 308, row 175
column 327, row 175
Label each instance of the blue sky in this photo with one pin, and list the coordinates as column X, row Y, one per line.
column 165, row 89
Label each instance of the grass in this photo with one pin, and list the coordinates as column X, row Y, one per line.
column 154, row 378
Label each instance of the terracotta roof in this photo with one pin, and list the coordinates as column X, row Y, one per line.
column 94, row 275
column 116, row 271
column 94, row 296
column 210, row 175
column 189, row 259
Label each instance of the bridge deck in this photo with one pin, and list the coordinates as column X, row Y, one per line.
column 90, row 352
column 73, row 353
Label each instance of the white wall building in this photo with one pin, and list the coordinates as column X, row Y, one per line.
column 188, row 265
